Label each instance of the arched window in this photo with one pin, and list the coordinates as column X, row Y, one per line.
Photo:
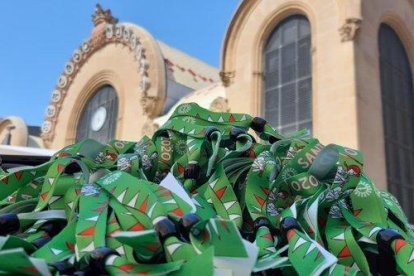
column 288, row 76
column 398, row 117
column 98, row 119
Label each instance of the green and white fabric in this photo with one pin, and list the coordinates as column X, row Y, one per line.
column 222, row 168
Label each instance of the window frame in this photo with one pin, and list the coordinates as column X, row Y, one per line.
column 111, row 115
column 297, row 80
column 394, row 116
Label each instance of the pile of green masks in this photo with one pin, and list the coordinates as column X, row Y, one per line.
column 209, row 193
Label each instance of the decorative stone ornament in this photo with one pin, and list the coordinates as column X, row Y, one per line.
column 145, row 83
column 50, row 111
column 62, row 81
column 350, row 29
column 77, row 56
column 69, row 68
column 110, row 33
column 149, row 104
column 219, row 104
column 119, row 31
column 139, row 52
column 101, row 16
column 46, row 127
column 85, row 47
column 226, row 77
column 126, row 35
column 144, row 65
column 56, row 96
column 133, row 41
column 149, row 128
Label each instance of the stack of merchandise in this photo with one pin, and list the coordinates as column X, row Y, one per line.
column 209, row 193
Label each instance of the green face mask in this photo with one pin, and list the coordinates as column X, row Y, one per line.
column 208, row 193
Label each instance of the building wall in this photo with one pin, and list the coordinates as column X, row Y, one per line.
column 14, row 130
column 94, row 75
column 126, row 57
column 399, row 15
column 345, row 59
column 114, row 61
column 333, row 75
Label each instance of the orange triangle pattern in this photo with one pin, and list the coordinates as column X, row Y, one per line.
column 260, row 200
column 60, row 168
column 345, row 253
column 44, row 196
column 137, row 227
column 398, row 245
column 144, row 205
column 220, row 192
column 18, row 175
column 5, row 180
column 88, row 232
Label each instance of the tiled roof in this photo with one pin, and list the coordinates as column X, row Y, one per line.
column 188, row 70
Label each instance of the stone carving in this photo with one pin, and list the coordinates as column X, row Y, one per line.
column 50, row 111
column 77, row 56
column 349, row 30
column 119, row 30
column 46, row 126
column 56, row 96
column 226, row 77
column 144, row 83
column 149, row 128
column 63, row 80
column 219, row 104
column 149, row 104
column 101, row 36
column 69, row 68
column 101, row 16
column 133, row 41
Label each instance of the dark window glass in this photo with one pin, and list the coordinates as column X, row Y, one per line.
column 98, row 119
column 288, row 76
column 398, row 117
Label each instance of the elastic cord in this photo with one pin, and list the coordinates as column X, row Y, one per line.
column 216, row 147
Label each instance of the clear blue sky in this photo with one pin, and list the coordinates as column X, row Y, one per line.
column 38, row 37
